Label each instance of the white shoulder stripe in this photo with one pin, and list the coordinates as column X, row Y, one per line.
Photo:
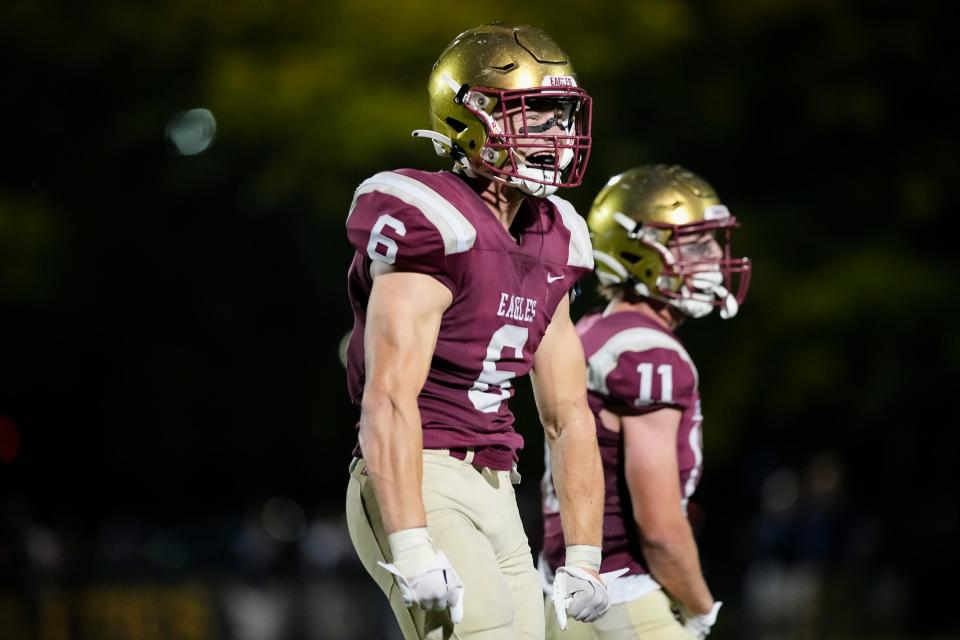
column 601, row 363
column 457, row 232
column 580, row 253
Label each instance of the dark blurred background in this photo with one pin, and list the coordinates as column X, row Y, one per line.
column 174, row 425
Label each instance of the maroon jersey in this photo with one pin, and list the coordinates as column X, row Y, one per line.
column 634, row 366
column 505, row 292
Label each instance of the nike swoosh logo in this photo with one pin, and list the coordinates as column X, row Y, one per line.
column 551, row 278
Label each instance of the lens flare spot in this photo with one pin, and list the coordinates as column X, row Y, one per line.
column 192, row 131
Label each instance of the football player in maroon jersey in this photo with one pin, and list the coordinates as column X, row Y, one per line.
column 461, row 283
column 661, row 242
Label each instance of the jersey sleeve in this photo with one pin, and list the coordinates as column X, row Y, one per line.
column 400, row 221
column 579, row 249
column 575, row 256
column 653, row 373
column 645, row 381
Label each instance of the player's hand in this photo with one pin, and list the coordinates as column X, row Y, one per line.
column 581, row 594
column 699, row 625
column 424, row 575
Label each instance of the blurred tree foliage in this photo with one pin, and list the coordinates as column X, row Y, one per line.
column 173, row 321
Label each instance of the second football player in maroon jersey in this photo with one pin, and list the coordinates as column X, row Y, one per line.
column 661, row 244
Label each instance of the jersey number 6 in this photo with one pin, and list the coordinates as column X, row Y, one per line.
column 377, row 239
column 483, row 398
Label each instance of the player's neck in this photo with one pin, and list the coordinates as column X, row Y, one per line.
column 662, row 314
column 503, row 201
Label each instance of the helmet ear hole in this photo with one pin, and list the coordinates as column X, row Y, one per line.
column 455, row 124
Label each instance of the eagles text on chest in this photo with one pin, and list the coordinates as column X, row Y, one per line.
column 517, row 307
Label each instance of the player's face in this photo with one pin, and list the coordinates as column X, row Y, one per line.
column 701, row 252
column 539, row 120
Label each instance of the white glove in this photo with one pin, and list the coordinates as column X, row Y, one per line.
column 699, row 625
column 578, row 592
column 424, row 575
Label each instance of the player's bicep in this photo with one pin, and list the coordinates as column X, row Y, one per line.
column 559, row 370
column 651, row 467
column 403, row 319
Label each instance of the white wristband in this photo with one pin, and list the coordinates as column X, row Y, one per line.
column 412, row 550
column 700, row 624
column 585, row 556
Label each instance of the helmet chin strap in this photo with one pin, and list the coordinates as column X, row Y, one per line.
column 444, row 147
column 691, row 307
column 522, row 181
column 707, row 287
column 532, row 187
column 535, row 187
column 730, row 305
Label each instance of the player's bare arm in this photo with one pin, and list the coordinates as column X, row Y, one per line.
column 558, row 377
column 650, row 461
column 433, row 371
column 403, row 319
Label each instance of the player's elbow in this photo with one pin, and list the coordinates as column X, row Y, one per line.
column 384, row 401
column 574, row 421
column 389, row 383
column 384, row 406
column 663, row 536
column 551, row 427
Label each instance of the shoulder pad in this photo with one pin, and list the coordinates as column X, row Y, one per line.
column 580, row 252
column 456, row 231
column 637, row 340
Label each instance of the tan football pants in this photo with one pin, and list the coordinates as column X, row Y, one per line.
column 646, row 618
column 472, row 517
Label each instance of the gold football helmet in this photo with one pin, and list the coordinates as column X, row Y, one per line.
column 654, row 233
column 504, row 103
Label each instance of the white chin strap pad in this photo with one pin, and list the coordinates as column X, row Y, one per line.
column 532, row 188
column 691, row 307
column 730, row 306
column 706, row 287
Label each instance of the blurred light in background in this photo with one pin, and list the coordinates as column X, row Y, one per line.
column 326, row 544
column 166, row 552
column 192, row 131
column 283, row 519
column 43, row 549
column 824, row 477
column 9, row 440
column 342, row 347
column 255, row 611
column 780, row 490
